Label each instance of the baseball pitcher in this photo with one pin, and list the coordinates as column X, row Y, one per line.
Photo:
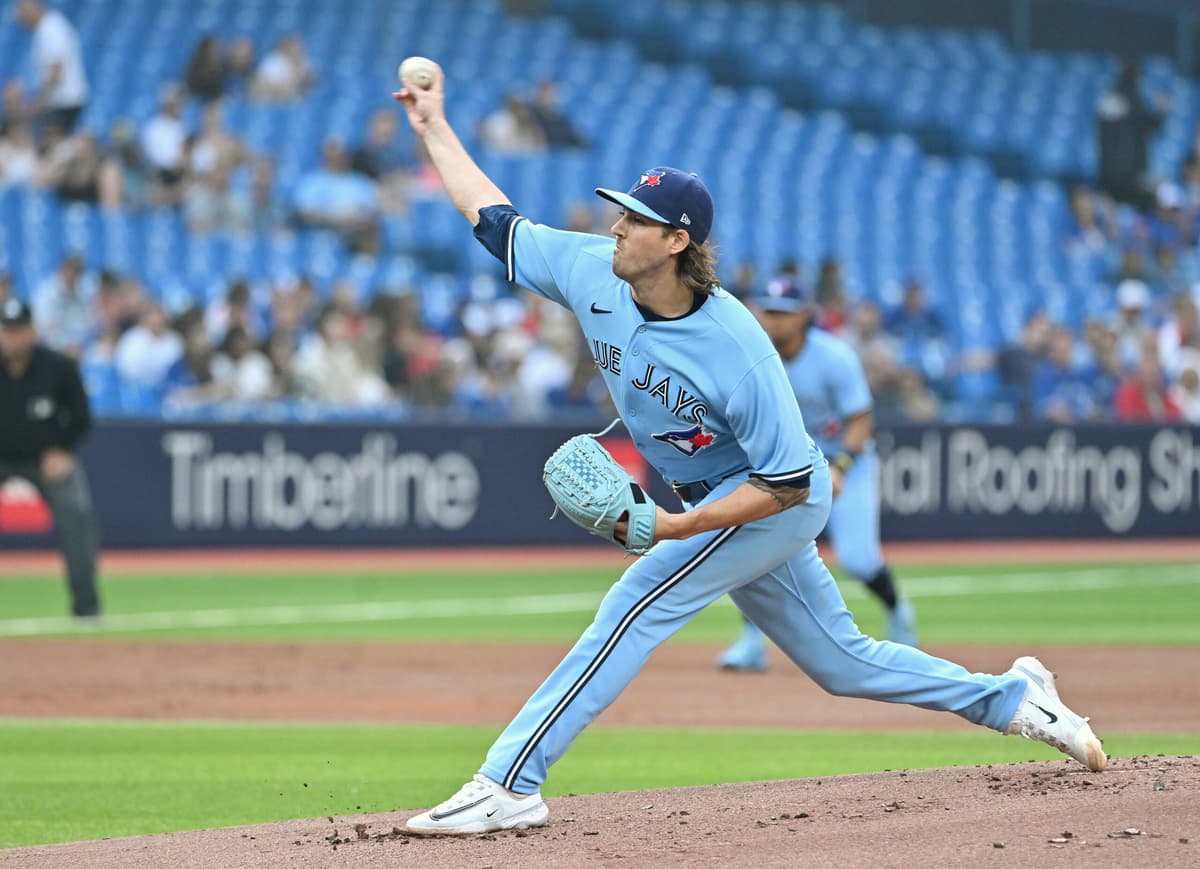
column 708, row 403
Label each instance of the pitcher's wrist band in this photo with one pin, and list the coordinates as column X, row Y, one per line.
column 843, row 461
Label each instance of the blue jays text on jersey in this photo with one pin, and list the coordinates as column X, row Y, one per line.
column 703, row 395
column 680, row 402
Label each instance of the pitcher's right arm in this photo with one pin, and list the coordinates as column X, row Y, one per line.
column 537, row 257
column 466, row 184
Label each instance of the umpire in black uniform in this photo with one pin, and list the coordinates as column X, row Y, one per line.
column 44, row 415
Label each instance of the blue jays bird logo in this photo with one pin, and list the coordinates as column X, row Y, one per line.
column 688, row 441
column 651, row 178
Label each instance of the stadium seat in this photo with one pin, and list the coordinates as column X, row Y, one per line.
column 905, row 152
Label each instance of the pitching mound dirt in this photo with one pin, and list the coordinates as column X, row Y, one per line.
column 1141, row 812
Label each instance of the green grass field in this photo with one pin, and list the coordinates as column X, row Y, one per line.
column 65, row 780
column 1152, row 604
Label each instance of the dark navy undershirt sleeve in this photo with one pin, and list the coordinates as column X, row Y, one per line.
column 495, row 232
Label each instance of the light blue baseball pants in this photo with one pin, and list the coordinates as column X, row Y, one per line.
column 854, row 520
column 773, row 573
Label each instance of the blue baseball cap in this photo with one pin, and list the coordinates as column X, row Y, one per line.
column 784, row 295
column 669, row 196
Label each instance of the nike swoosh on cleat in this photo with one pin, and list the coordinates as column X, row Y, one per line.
column 492, row 812
column 434, row 816
column 596, row 310
column 1050, row 715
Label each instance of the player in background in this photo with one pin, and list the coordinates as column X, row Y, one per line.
column 831, row 389
column 704, row 395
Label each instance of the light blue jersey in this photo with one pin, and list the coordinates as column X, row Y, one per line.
column 702, row 395
column 830, row 386
column 706, row 399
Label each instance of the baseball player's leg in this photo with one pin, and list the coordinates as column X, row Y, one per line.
column 801, row 609
column 655, row 597
column 70, row 502
column 854, row 531
column 749, row 653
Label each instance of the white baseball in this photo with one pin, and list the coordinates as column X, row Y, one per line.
column 417, row 71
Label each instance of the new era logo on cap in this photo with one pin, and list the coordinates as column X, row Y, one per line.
column 663, row 192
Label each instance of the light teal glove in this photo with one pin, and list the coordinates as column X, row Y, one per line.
column 596, row 493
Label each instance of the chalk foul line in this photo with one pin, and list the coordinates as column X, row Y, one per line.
column 917, row 587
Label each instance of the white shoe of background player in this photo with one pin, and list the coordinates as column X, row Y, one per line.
column 481, row 806
column 1044, row 717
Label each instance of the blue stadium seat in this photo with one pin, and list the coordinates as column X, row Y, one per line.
column 904, row 151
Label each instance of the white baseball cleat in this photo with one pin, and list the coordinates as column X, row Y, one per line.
column 481, row 806
column 1044, row 717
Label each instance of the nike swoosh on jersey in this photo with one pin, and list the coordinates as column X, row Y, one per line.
column 596, row 310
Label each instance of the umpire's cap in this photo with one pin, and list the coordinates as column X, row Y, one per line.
column 669, row 196
column 782, row 294
column 14, row 312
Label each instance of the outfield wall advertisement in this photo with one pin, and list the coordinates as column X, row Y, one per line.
column 1006, row 482
column 158, row 485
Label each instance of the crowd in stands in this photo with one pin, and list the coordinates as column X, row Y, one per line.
column 509, row 353
column 523, row 126
column 1140, row 364
column 219, row 182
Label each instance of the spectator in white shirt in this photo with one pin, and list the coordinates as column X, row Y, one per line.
column 164, row 146
column 1133, row 300
column 329, row 368
column 283, row 74
column 235, row 310
column 147, row 351
column 1179, row 335
column 512, row 129
column 243, row 370
column 58, row 63
column 18, row 157
column 215, row 147
column 63, row 307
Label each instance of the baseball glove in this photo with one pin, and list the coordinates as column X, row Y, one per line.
column 596, row 493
